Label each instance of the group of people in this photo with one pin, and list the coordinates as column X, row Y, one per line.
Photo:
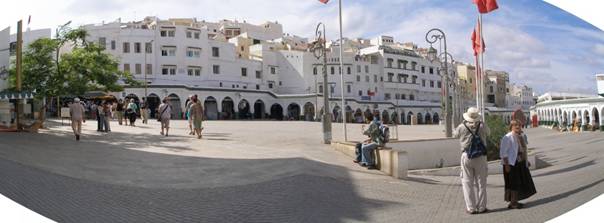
column 126, row 112
column 474, row 168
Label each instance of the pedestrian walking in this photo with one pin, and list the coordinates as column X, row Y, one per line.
column 76, row 112
column 472, row 134
column 106, row 116
column 516, row 174
column 119, row 110
column 165, row 111
column 196, row 112
column 100, row 117
column 188, row 114
column 131, row 111
column 144, row 111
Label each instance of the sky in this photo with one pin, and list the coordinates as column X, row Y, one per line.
column 538, row 44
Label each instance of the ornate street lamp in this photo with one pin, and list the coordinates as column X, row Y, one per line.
column 319, row 50
column 432, row 36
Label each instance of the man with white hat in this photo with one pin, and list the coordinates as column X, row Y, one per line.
column 474, row 169
column 76, row 111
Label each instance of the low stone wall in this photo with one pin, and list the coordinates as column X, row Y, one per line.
column 429, row 153
column 391, row 162
column 494, row 168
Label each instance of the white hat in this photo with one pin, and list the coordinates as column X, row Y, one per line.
column 471, row 115
column 76, row 100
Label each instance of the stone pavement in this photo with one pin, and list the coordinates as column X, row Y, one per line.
column 263, row 172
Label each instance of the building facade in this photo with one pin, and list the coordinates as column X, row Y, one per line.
column 241, row 70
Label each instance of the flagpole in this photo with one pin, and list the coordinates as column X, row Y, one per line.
column 342, row 74
column 482, row 71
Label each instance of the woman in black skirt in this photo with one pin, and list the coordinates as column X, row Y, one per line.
column 513, row 152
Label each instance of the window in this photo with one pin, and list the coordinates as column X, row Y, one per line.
column 273, row 70
column 113, row 44
column 258, row 74
column 168, row 51
column 215, row 52
column 387, row 96
column 167, row 32
column 127, row 67
column 397, row 96
column 358, row 68
column 137, row 47
column 348, row 88
column 414, row 79
column 314, row 70
column 389, row 61
column 321, row 89
column 366, row 68
column 403, row 97
column 270, row 85
column 366, row 78
column 358, row 78
column 491, row 88
column 168, row 69
column 196, row 35
column 257, row 87
column 138, row 68
column 194, row 71
column 413, row 65
column 148, row 48
column 399, row 64
column 431, row 70
column 400, row 78
column 102, row 42
column 423, row 70
column 412, row 97
column 333, row 70
column 149, row 69
column 432, row 84
column 244, row 72
column 193, row 52
column 390, row 76
column 375, row 78
column 405, row 64
column 280, row 83
column 189, row 34
column 126, row 47
column 348, row 70
column 423, row 83
column 216, row 69
column 439, row 84
column 332, row 88
column 360, row 93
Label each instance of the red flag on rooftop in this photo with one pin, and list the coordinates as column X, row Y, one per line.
column 486, row 6
column 477, row 44
column 324, row 1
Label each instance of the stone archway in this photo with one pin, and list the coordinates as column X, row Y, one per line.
column 174, row 101
column 596, row 119
column 153, row 101
column 428, row 118
column 435, row 118
column 586, row 125
column 385, row 117
column 259, row 109
column 293, row 111
column 394, row 118
column 420, row 118
column 276, row 112
column 409, row 118
column 348, row 114
column 358, row 116
column 210, row 106
column 336, row 114
column 228, row 109
column 309, row 112
column 243, row 110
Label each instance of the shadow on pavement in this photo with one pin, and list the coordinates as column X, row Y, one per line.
column 561, row 195
column 567, row 169
column 101, row 180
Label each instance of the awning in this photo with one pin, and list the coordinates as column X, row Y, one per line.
column 16, row 95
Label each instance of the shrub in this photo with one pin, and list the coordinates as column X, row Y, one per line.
column 498, row 130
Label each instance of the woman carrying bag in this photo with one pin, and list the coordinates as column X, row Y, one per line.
column 517, row 177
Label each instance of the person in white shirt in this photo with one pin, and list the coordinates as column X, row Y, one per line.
column 76, row 112
column 165, row 111
column 516, row 175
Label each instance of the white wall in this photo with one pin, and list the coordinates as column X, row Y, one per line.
column 4, row 57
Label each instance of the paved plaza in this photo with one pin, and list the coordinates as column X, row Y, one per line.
column 264, row 171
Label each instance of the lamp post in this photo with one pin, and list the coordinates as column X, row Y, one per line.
column 319, row 50
column 146, row 68
column 432, row 36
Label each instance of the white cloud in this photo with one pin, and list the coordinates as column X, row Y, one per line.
column 599, row 49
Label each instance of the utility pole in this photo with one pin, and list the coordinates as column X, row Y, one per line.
column 320, row 50
column 19, row 108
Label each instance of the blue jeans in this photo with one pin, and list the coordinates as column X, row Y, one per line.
column 367, row 153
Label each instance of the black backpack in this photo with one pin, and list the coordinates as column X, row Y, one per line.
column 476, row 148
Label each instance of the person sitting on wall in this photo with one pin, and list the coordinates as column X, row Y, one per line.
column 364, row 150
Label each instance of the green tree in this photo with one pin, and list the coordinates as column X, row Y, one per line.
column 498, row 130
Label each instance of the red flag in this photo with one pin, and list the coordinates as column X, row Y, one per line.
column 486, row 6
column 324, row 1
column 369, row 93
column 477, row 45
column 29, row 20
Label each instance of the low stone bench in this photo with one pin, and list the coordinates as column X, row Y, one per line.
column 391, row 162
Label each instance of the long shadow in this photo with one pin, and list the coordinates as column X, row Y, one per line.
column 99, row 180
column 422, row 180
column 567, row 169
column 562, row 195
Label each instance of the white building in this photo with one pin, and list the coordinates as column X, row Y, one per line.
column 4, row 57
column 519, row 96
column 267, row 73
column 600, row 83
